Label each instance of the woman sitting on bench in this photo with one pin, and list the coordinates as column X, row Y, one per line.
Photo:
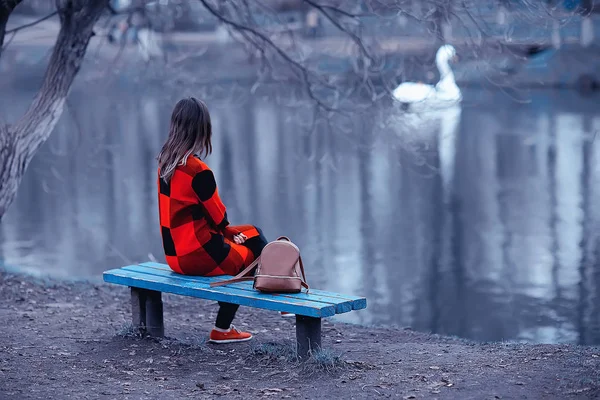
column 196, row 234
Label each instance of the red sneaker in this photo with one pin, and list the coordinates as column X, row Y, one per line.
column 233, row 335
column 287, row 314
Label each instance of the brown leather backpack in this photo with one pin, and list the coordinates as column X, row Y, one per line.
column 280, row 269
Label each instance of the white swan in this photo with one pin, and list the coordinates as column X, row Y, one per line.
column 425, row 97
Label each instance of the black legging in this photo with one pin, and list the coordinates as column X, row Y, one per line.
column 227, row 311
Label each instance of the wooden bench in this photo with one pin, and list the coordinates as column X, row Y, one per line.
column 148, row 280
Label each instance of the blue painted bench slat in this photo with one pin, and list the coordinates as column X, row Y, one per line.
column 177, row 285
column 148, row 280
column 342, row 305
column 358, row 303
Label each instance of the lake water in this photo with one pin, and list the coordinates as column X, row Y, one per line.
column 480, row 222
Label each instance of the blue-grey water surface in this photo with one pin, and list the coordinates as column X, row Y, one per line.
column 480, row 222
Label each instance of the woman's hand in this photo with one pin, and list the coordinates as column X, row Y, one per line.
column 233, row 234
column 239, row 238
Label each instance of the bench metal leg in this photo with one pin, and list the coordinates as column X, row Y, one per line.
column 154, row 314
column 147, row 311
column 138, row 308
column 308, row 335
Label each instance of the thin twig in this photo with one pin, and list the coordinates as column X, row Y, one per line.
column 299, row 67
column 18, row 28
column 340, row 11
column 355, row 38
column 7, row 42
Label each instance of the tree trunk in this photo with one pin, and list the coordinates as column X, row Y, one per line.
column 19, row 143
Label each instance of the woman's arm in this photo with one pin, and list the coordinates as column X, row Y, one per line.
column 205, row 186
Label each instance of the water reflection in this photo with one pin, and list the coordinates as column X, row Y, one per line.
column 479, row 222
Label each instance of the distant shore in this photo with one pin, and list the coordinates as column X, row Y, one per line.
column 209, row 57
column 72, row 340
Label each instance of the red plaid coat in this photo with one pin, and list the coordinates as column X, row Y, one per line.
column 196, row 234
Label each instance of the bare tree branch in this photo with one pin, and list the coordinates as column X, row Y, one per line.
column 15, row 30
column 337, row 10
column 298, row 67
column 337, row 24
column 6, row 8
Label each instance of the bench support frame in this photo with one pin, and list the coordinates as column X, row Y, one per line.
column 147, row 315
column 147, row 311
column 308, row 335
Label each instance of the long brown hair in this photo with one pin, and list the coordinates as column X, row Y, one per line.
column 190, row 133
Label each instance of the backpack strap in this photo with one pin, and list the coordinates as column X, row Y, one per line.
column 239, row 277
column 303, row 280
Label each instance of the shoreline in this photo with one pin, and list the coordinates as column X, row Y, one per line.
column 73, row 339
column 225, row 60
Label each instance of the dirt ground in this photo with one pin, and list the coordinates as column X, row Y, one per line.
column 64, row 340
